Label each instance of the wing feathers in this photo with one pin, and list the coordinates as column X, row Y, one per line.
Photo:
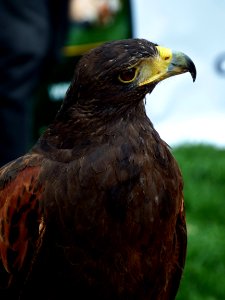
column 20, row 214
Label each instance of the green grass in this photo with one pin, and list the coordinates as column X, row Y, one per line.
column 203, row 169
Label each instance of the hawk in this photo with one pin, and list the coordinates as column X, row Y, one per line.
column 95, row 209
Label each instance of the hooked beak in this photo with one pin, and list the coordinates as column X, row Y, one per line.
column 181, row 63
column 166, row 64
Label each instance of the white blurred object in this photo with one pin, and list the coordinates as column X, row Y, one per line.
column 93, row 11
column 180, row 110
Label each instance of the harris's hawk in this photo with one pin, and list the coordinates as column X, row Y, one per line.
column 95, row 210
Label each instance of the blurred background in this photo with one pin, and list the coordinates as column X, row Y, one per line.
column 180, row 110
column 91, row 22
column 189, row 117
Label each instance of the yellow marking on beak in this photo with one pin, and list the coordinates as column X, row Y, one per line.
column 165, row 64
column 159, row 65
column 165, row 53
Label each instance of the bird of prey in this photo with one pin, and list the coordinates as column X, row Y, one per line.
column 95, row 209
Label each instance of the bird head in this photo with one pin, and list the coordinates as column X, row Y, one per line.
column 122, row 72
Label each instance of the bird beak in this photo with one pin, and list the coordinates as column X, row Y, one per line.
column 166, row 64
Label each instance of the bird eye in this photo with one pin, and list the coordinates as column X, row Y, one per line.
column 128, row 75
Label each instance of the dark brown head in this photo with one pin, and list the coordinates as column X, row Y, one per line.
column 111, row 82
column 123, row 72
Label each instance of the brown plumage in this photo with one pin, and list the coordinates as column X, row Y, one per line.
column 95, row 210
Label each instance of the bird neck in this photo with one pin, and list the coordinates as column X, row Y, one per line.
column 78, row 126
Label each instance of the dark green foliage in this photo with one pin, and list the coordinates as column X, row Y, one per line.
column 203, row 169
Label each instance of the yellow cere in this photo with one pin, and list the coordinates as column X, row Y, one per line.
column 157, row 66
column 165, row 53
